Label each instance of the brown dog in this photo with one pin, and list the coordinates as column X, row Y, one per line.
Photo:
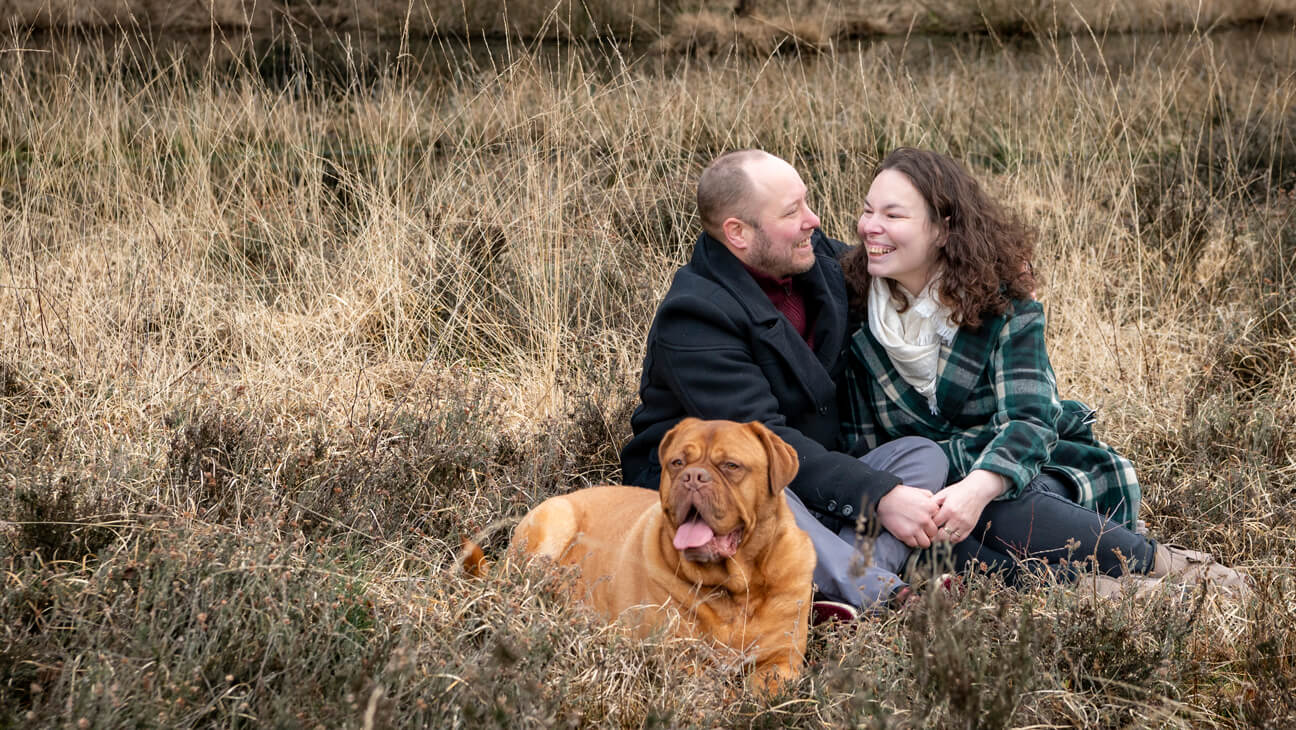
column 716, row 543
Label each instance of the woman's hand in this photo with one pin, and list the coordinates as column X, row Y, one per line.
column 961, row 503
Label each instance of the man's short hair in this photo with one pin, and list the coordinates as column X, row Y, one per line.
column 724, row 189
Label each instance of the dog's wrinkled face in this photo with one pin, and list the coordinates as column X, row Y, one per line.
column 717, row 479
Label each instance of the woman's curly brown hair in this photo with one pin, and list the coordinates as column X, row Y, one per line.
column 986, row 259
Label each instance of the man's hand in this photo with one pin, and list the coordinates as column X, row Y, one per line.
column 908, row 513
column 961, row 503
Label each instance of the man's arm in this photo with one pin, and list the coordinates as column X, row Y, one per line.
column 909, row 513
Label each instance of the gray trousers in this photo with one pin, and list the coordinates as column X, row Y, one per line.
column 863, row 570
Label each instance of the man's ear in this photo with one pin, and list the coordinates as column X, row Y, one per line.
column 735, row 233
column 782, row 458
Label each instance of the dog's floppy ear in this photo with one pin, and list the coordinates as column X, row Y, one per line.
column 782, row 458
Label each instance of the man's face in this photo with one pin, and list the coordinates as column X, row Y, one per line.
column 778, row 239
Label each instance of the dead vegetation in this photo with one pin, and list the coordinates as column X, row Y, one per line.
column 280, row 326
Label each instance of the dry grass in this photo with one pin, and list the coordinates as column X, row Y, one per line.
column 281, row 322
column 702, row 26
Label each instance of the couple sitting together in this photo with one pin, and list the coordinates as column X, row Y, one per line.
column 909, row 373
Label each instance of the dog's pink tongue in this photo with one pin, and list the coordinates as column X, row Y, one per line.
column 694, row 533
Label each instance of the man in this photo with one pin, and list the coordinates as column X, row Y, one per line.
column 752, row 330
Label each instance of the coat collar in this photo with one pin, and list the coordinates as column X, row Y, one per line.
column 959, row 371
column 822, row 284
column 714, row 261
column 963, row 362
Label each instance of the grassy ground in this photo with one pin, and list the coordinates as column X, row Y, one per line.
column 680, row 24
column 280, row 325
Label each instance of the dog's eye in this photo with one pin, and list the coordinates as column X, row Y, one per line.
column 730, row 465
column 677, row 462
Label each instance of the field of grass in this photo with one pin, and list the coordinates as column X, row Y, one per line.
column 280, row 322
column 677, row 23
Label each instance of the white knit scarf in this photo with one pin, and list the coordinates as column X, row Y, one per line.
column 912, row 338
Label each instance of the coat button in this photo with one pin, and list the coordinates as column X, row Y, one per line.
column 832, row 505
column 823, row 410
column 847, row 510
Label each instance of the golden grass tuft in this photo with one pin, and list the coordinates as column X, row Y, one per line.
column 716, row 35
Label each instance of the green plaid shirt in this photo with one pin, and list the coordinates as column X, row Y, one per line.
column 998, row 410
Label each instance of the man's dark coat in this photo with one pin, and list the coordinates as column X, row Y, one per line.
column 719, row 349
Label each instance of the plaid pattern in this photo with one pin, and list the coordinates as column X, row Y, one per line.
column 998, row 410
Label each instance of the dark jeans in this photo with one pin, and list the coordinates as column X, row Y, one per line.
column 1045, row 525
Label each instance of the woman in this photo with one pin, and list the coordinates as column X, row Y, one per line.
column 950, row 346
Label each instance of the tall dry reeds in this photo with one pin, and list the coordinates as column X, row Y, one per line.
column 281, row 322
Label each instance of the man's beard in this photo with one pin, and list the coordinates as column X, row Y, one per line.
column 764, row 260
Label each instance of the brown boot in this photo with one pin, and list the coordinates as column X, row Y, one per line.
column 1192, row 566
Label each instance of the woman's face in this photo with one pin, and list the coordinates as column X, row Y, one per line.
column 902, row 242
